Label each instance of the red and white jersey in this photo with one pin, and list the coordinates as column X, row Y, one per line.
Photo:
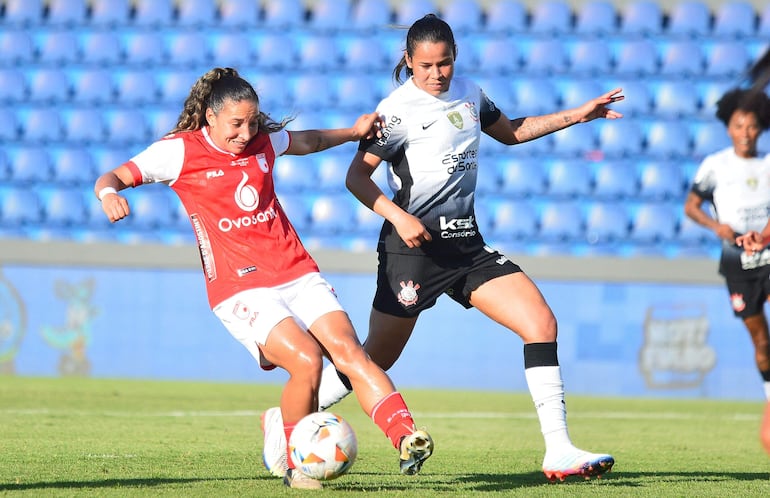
column 244, row 237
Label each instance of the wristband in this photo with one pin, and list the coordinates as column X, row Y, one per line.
column 105, row 191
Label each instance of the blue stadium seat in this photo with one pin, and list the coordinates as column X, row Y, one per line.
column 153, row 13
column 507, row 16
column 41, row 126
column 615, row 180
column 275, row 92
column 675, row 98
column 108, row 156
column 5, row 166
column 575, row 141
column 620, row 138
column 174, row 86
column 569, row 178
column 276, row 51
column 709, row 92
column 232, row 50
column 667, row 140
column 463, row 15
column 127, row 126
column 23, row 12
column 13, row 86
column 545, row 56
column 329, row 15
column 522, row 177
column 661, row 180
column 534, row 96
column 238, row 13
column 30, row 164
column 162, row 121
column 73, row 165
column 591, row 57
column 368, row 15
column 101, row 48
column 197, row 14
column 690, row 18
column 68, row 13
column 189, row 49
column 636, row 57
column 561, row 222
column 84, row 125
column 641, row 17
column 709, row 137
column 638, row 99
column 136, row 87
column 10, row 128
column 511, row 219
column 17, row 47
column 498, row 89
column 144, row 48
column 690, row 233
column 364, row 53
column 407, row 13
column 332, row 214
column 727, row 59
column 606, row 222
column 284, row 15
column 64, row 206
column 682, row 58
column 297, row 209
column 319, row 53
column 110, row 13
column 19, row 207
column 497, row 55
column 357, row 93
column 313, row 91
column 734, row 19
column 550, row 17
column 596, row 18
column 152, row 207
column 93, row 87
column 574, row 92
column 295, row 175
column 368, row 223
column 57, row 47
column 331, row 169
column 654, row 222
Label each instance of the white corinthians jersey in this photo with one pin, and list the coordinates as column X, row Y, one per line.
column 739, row 190
column 432, row 145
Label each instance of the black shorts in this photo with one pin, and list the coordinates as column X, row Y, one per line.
column 408, row 284
column 748, row 297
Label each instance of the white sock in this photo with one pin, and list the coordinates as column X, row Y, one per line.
column 547, row 390
column 332, row 390
column 767, row 391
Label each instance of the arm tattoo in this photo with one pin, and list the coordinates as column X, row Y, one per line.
column 533, row 127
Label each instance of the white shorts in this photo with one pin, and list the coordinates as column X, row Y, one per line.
column 252, row 314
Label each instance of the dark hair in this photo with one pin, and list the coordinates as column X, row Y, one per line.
column 429, row 28
column 213, row 90
column 748, row 100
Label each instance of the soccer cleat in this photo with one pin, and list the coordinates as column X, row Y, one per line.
column 576, row 463
column 415, row 449
column 293, row 478
column 274, row 449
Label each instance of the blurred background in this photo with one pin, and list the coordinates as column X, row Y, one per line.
column 593, row 212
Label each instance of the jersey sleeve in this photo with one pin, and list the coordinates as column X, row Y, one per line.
column 280, row 141
column 161, row 162
column 488, row 112
column 705, row 179
column 394, row 135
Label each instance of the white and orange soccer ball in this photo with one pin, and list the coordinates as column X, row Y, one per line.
column 323, row 446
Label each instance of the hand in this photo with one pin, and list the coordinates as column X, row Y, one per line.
column 368, row 126
column 597, row 108
column 115, row 207
column 725, row 232
column 412, row 231
column 752, row 242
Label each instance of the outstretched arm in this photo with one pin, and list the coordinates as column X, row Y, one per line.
column 309, row 141
column 529, row 128
column 106, row 189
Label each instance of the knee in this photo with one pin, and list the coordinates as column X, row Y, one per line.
column 307, row 365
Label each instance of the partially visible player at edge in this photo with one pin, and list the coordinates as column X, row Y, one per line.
column 261, row 282
column 430, row 242
column 736, row 182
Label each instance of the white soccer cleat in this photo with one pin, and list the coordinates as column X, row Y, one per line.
column 297, row 480
column 576, row 462
column 415, row 449
column 274, row 449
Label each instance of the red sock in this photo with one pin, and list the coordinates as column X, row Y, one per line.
column 393, row 417
column 288, row 429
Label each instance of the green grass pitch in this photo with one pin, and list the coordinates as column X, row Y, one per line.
column 124, row 438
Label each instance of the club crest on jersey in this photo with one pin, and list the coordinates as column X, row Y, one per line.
column 246, row 196
column 472, row 110
column 456, row 119
column 408, row 294
column 262, row 162
column 737, row 302
column 752, row 183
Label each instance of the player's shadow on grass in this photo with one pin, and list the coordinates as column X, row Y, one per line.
column 116, row 483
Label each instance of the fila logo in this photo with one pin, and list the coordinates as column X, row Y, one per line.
column 214, row 174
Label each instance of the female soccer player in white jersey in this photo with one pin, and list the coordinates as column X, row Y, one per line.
column 430, row 242
column 261, row 282
column 736, row 181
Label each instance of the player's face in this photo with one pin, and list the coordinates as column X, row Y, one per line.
column 235, row 125
column 743, row 129
column 432, row 65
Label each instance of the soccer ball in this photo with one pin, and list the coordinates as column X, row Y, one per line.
column 323, row 446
